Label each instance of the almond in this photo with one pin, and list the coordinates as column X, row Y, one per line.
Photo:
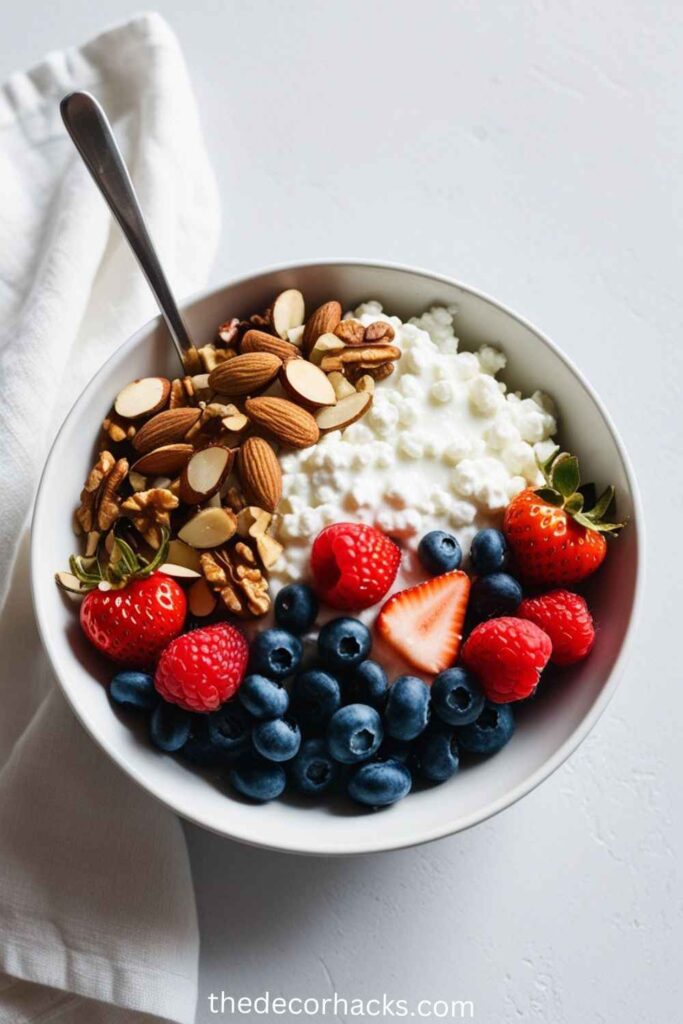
column 351, row 332
column 246, row 374
column 346, row 411
column 204, row 473
column 259, row 341
column 209, row 528
column 342, row 386
column 179, row 572
column 142, row 397
column 323, row 321
column 166, row 427
column 287, row 422
column 201, row 599
column 307, row 384
column 260, row 474
column 288, row 311
column 167, row 460
column 182, row 554
column 327, row 344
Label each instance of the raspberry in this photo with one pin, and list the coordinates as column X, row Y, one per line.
column 200, row 670
column 567, row 621
column 353, row 565
column 508, row 656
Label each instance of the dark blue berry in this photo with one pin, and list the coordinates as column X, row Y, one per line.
column 396, row 750
column 275, row 653
column 169, row 727
column 263, row 697
column 200, row 749
column 495, row 595
column 437, row 755
column 354, row 733
column 296, row 607
column 490, row 732
column 439, row 552
column 230, row 729
column 343, row 643
column 457, row 697
column 368, row 685
column 488, row 551
column 277, row 740
column 380, row 783
column 316, row 696
column 258, row 779
column 134, row 690
column 407, row 710
column 313, row 770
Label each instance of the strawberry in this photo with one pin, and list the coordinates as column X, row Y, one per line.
column 130, row 610
column 554, row 540
column 507, row 656
column 424, row 623
column 202, row 669
column 353, row 565
column 567, row 621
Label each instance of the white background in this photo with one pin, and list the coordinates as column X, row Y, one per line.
column 534, row 150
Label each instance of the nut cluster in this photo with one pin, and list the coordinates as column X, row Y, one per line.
column 197, row 457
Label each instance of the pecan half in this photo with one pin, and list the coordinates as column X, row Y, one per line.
column 379, row 331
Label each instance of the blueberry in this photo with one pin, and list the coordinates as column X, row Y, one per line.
column 369, row 685
column 200, row 749
column 169, row 727
column 488, row 551
column 296, row 607
column 437, row 755
column 490, row 732
column 439, row 552
column 456, row 696
column 263, row 697
column 495, row 595
column 313, row 770
column 277, row 740
column 315, row 696
column 407, row 710
column 230, row 729
column 380, row 783
column 343, row 643
column 396, row 750
column 134, row 690
column 354, row 733
column 275, row 653
column 258, row 779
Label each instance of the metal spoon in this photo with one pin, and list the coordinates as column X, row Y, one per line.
column 91, row 133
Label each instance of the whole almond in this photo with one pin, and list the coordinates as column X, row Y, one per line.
column 324, row 320
column 351, row 332
column 168, row 427
column 167, row 460
column 260, row 474
column 259, row 341
column 287, row 422
column 246, row 374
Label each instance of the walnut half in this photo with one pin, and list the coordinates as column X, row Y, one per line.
column 150, row 512
column 234, row 574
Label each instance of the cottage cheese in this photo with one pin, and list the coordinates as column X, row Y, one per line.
column 444, row 446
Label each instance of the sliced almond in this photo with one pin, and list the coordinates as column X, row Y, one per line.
column 342, row 386
column 246, row 374
column 168, row 427
column 346, row 411
column 269, row 550
column 179, row 572
column 93, row 539
column 164, row 461
column 259, row 472
column 326, row 345
column 180, row 553
column 296, row 335
column 307, row 384
column 200, row 382
column 259, row 341
column 142, row 397
column 288, row 311
column 69, row 583
column 287, row 422
column 137, row 481
column 323, row 321
column 209, row 528
column 204, row 473
column 365, row 383
column 236, row 421
column 201, row 599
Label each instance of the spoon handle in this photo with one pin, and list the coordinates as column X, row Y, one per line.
column 91, row 133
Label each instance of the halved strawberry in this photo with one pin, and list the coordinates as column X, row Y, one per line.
column 424, row 623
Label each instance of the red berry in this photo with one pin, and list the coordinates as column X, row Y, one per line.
column 567, row 621
column 133, row 625
column 202, row 669
column 353, row 565
column 424, row 623
column 508, row 656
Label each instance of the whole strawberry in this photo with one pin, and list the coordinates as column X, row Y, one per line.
column 507, row 655
column 353, row 565
column 202, row 669
column 554, row 540
column 567, row 621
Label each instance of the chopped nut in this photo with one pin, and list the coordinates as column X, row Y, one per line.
column 192, row 361
column 379, row 331
column 269, row 550
column 366, row 382
column 253, row 521
column 342, row 387
column 234, row 499
column 235, row 420
column 150, row 511
column 137, row 481
column 93, row 539
column 182, row 393
column 233, row 574
column 117, row 429
column 227, row 332
column 351, row 332
column 210, row 356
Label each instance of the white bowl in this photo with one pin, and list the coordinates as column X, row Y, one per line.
column 549, row 729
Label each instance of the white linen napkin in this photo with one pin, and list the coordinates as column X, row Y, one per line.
column 96, row 899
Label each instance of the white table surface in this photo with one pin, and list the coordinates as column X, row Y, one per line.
column 534, row 150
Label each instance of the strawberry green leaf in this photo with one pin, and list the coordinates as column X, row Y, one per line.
column 550, row 496
column 565, row 474
column 574, row 504
column 601, row 506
